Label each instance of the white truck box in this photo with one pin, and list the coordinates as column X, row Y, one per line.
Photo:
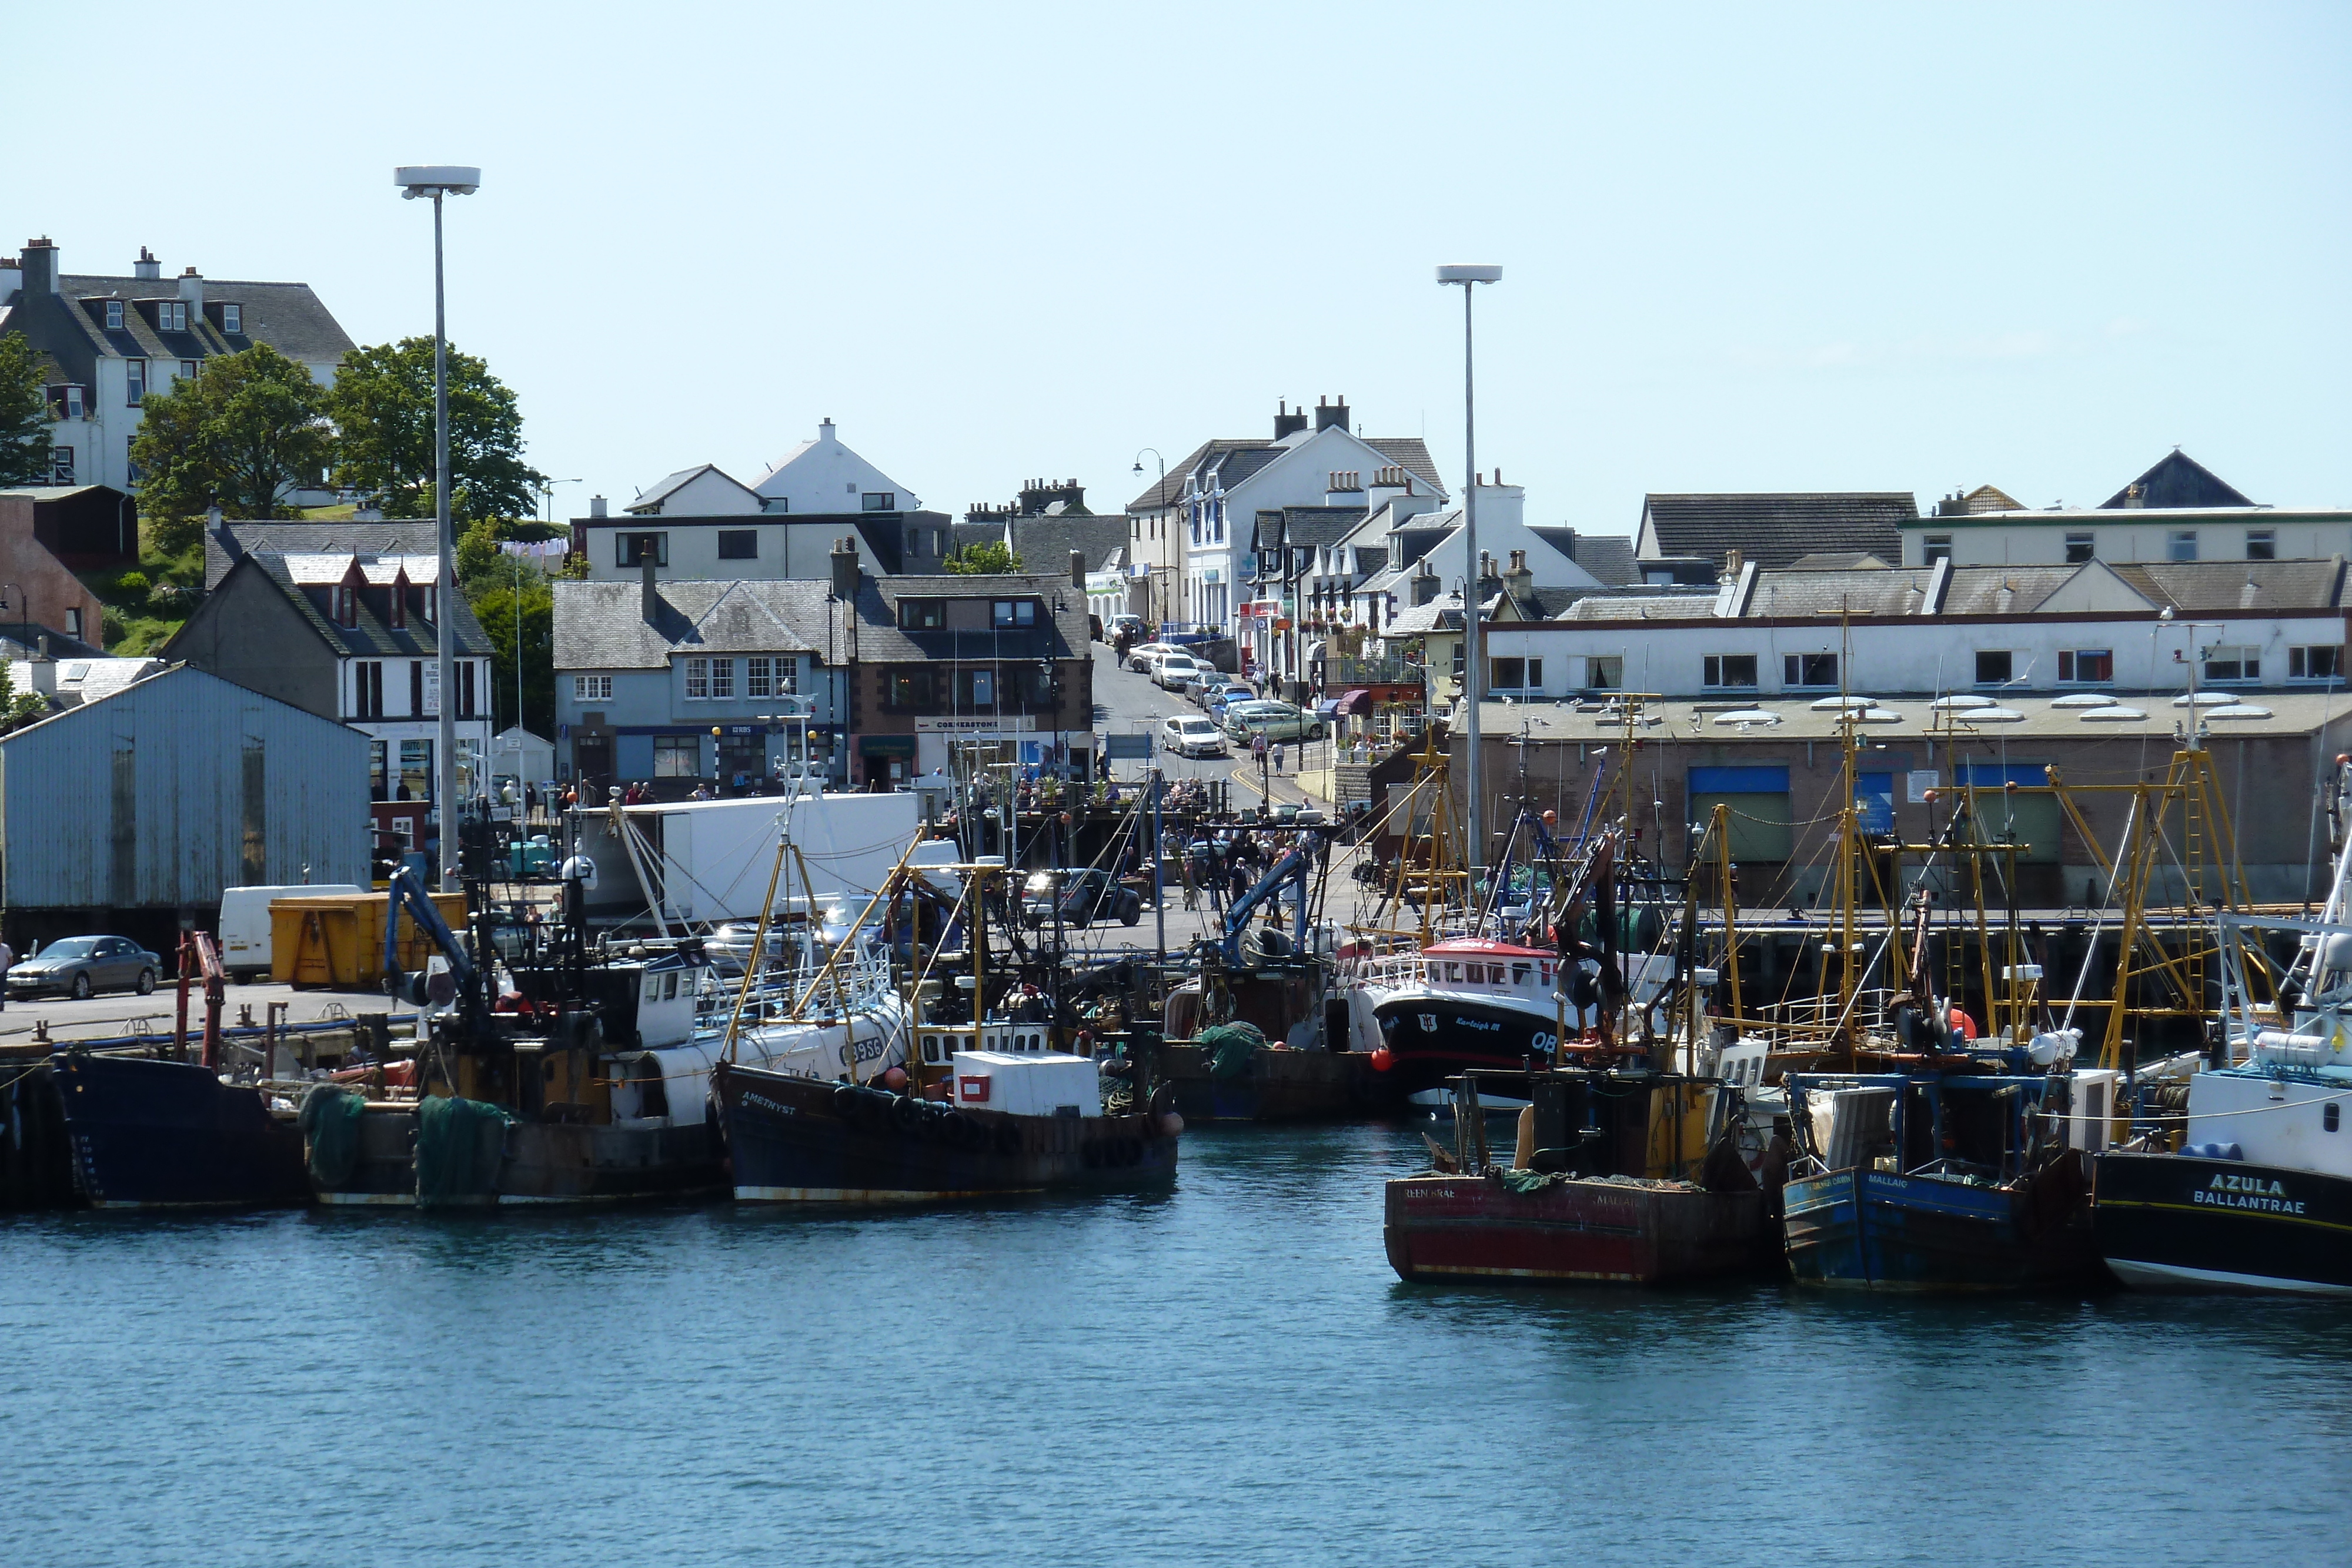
column 244, row 922
column 1024, row 1085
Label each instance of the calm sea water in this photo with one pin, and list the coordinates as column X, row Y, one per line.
column 1226, row 1375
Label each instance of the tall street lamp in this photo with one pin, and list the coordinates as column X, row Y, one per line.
column 436, row 180
column 1469, row 278
column 1153, row 580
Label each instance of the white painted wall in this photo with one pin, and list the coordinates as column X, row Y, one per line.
column 711, row 493
column 1890, row 659
column 824, row 475
column 2039, row 538
column 802, row 550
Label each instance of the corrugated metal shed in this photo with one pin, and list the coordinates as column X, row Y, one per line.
column 159, row 796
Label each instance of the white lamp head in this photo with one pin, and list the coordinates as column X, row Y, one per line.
column 416, row 180
column 1467, row 275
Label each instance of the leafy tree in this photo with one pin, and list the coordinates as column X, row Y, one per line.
column 992, row 559
column 240, row 433
column 18, row 708
column 495, row 607
column 25, row 421
column 381, row 404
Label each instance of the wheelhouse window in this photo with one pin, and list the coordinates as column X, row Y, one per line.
column 738, row 544
column 1009, row 614
column 2080, row 548
column 2323, row 662
column 1995, row 666
column 1720, row 671
column 2086, row 667
column 922, row 615
column 2227, row 664
column 1809, row 669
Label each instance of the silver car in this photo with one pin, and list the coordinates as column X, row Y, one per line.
column 82, row 965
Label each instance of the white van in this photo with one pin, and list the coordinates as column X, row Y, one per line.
column 245, row 924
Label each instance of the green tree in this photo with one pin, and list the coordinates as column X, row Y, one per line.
column 991, row 558
column 495, row 607
column 18, row 708
column 240, row 433
column 25, row 421
column 381, row 404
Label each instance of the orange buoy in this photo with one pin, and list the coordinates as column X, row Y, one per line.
column 1381, row 1060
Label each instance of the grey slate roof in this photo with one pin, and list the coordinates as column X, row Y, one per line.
column 1232, row 460
column 69, row 326
column 2198, row 586
column 1318, row 528
column 231, row 541
column 880, row 638
column 2177, row 480
column 1410, row 453
column 602, row 626
column 1608, row 558
column 1161, row 495
column 1044, row 544
column 1773, row 530
column 373, row 637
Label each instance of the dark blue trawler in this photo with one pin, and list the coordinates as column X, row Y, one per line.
column 1935, row 1180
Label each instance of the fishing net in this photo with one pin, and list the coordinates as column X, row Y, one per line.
column 330, row 1120
column 1230, row 1048
column 460, row 1145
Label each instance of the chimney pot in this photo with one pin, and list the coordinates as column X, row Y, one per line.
column 146, row 267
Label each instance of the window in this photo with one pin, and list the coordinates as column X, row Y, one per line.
column 2180, row 544
column 187, row 369
column 134, row 373
column 1727, row 670
column 466, row 670
column 1994, row 666
column 379, row 772
column 1007, row 614
column 114, row 315
column 415, row 687
column 61, row 466
column 698, row 680
column 677, row 756
column 1515, row 674
column 2234, row 663
column 347, row 612
column 878, row 501
column 738, row 544
column 73, row 620
column 2316, row 663
column 722, row 680
column 1601, row 675
column 909, row 688
column 2087, row 667
column 2261, row 544
column 74, row 408
column 592, row 688
column 2079, row 549
column 1809, row 669
column 976, row 688
column 367, row 688
column 415, row 771
column 172, row 316
column 757, row 681
column 631, row 549
column 922, row 615
column 1934, row 547
column 232, row 317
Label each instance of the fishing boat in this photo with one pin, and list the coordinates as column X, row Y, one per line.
column 1622, row 1176
column 2248, row 1186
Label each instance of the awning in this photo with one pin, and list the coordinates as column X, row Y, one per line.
column 886, row 746
column 1360, row 700
column 1327, row 709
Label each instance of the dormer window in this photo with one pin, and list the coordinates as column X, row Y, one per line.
column 347, row 605
column 400, row 601
column 172, row 316
column 114, row 315
column 233, row 318
column 73, row 403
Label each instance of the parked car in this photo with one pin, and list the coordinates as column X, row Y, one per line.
column 1094, row 627
column 1275, row 721
column 1209, row 691
column 1187, row 736
column 81, row 965
column 1126, row 631
column 1088, row 894
column 1170, row 670
column 1140, row 657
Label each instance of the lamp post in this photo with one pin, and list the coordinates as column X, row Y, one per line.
column 547, row 491
column 1469, row 278
column 436, row 180
column 1160, row 497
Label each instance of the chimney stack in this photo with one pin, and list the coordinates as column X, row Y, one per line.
column 649, row 597
column 1328, row 414
column 40, row 264
column 845, row 565
column 824, row 432
column 192, row 289
column 1286, row 423
column 147, row 269
column 1078, row 569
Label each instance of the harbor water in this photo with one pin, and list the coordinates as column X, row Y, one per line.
column 1225, row 1373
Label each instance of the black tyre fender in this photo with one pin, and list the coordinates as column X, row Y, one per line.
column 849, row 1105
column 1163, row 1099
column 906, row 1114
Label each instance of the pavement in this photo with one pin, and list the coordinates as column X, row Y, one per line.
column 112, row 1017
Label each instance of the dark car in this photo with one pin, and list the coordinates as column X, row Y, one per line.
column 81, row 966
column 1089, row 895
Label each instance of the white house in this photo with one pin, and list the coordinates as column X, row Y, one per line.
column 111, row 338
column 824, row 476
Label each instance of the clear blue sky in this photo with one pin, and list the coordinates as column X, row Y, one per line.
column 1747, row 247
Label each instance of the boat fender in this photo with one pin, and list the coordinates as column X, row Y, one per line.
column 1172, row 1125
column 849, row 1105
column 1163, row 1099
column 907, row 1113
column 1383, row 1061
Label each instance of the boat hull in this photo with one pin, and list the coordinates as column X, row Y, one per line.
column 529, row 1163
column 1873, row 1230
column 2173, row 1222
column 1433, row 1037
column 145, row 1133
column 803, row 1140
column 1477, row 1229
column 1279, row 1086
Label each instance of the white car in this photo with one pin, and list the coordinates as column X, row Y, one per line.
column 1139, row 658
column 1187, row 735
column 1172, row 670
